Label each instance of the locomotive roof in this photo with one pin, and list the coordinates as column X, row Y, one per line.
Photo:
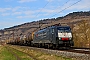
column 50, row 27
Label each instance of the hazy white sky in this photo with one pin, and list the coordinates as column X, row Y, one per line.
column 15, row 12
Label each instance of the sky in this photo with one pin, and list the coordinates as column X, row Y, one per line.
column 16, row 12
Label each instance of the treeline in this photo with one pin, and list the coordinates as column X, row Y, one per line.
column 81, row 13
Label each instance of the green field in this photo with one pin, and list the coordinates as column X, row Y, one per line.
column 26, row 54
column 7, row 55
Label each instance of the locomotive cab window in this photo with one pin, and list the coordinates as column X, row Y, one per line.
column 63, row 29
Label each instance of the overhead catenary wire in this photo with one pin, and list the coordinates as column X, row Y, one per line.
column 38, row 14
column 59, row 11
column 45, row 6
column 60, row 6
column 42, row 9
column 66, row 8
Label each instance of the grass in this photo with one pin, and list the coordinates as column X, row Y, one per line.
column 22, row 55
column 40, row 55
column 5, row 54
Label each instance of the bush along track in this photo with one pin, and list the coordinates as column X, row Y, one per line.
column 38, row 55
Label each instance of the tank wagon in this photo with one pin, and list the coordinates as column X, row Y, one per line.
column 53, row 36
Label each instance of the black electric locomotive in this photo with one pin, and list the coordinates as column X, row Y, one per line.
column 53, row 36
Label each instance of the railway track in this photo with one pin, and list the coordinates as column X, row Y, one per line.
column 72, row 53
column 83, row 51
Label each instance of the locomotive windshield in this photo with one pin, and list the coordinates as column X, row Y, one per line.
column 64, row 29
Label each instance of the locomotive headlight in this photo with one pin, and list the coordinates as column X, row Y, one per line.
column 59, row 38
column 70, row 38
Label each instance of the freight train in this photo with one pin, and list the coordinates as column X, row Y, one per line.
column 50, row 37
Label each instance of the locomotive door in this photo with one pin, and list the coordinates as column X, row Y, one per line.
column 53, row 35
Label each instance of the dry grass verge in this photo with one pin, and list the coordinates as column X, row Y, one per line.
column 40, row 55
